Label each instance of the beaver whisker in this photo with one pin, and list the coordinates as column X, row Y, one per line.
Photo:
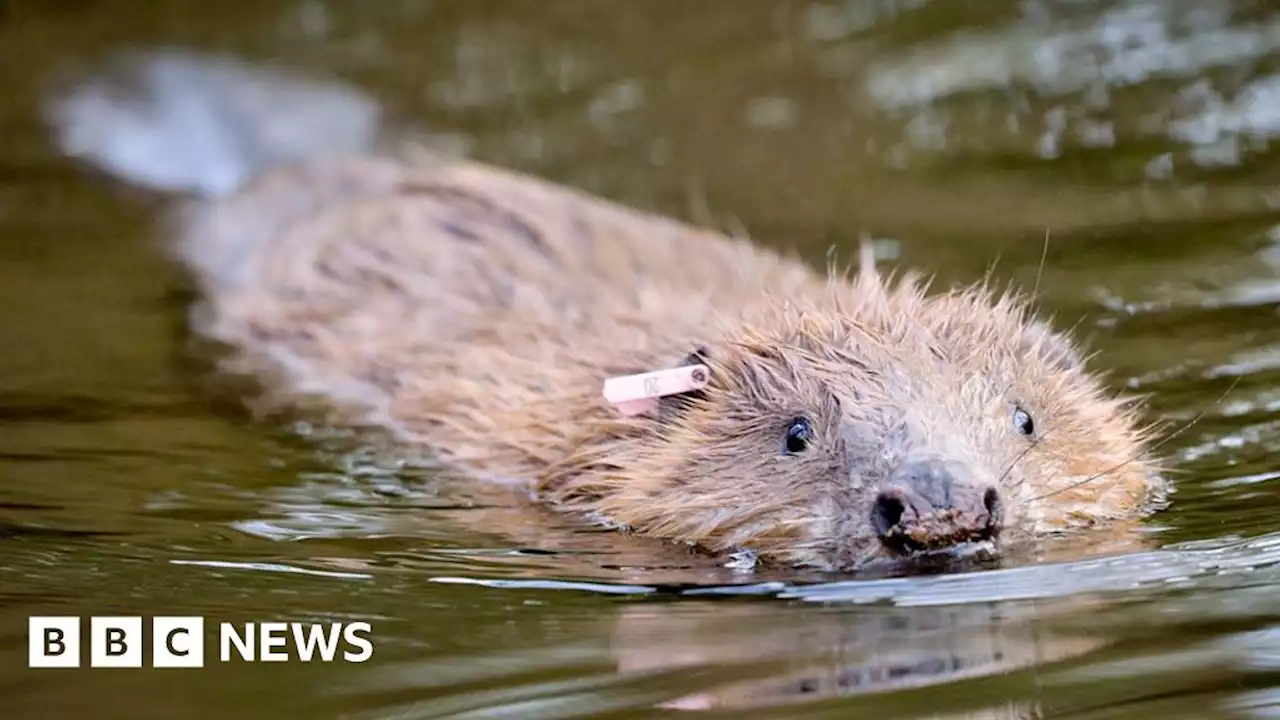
column 1164, row 441
column 1044, row 254
column 1004, row 475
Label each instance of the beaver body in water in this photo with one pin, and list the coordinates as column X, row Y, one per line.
column 477, row 312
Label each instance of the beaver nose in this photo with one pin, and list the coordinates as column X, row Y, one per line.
column 925, row 507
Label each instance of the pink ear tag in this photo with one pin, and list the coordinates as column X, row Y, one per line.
column 639, row 394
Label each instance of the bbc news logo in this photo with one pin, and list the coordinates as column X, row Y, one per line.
column 179, row 642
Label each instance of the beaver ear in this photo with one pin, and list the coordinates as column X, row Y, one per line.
column 700, row 354
column 673, row 406
column 1042, row 340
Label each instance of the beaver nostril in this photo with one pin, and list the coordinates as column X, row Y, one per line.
column 886, row 513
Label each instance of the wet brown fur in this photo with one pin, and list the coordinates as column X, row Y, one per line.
column 477, row 312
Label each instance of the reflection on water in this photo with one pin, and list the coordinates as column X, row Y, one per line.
column 1139, row 133
column 977, row 656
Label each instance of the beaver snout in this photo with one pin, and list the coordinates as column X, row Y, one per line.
column 925, row 507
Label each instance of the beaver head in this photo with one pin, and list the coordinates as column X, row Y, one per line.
column 883, row 421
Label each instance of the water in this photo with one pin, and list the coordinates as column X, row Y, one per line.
column 1139, row 135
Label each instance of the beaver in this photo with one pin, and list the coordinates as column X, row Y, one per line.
column 478, row 311
column 843, row 418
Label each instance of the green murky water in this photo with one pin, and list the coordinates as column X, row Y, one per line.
column 1139, row 134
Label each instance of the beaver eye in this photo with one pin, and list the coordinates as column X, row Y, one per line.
column 799, row 433
column 1022, row 420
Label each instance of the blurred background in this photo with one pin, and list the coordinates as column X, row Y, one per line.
column 1138, row 135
